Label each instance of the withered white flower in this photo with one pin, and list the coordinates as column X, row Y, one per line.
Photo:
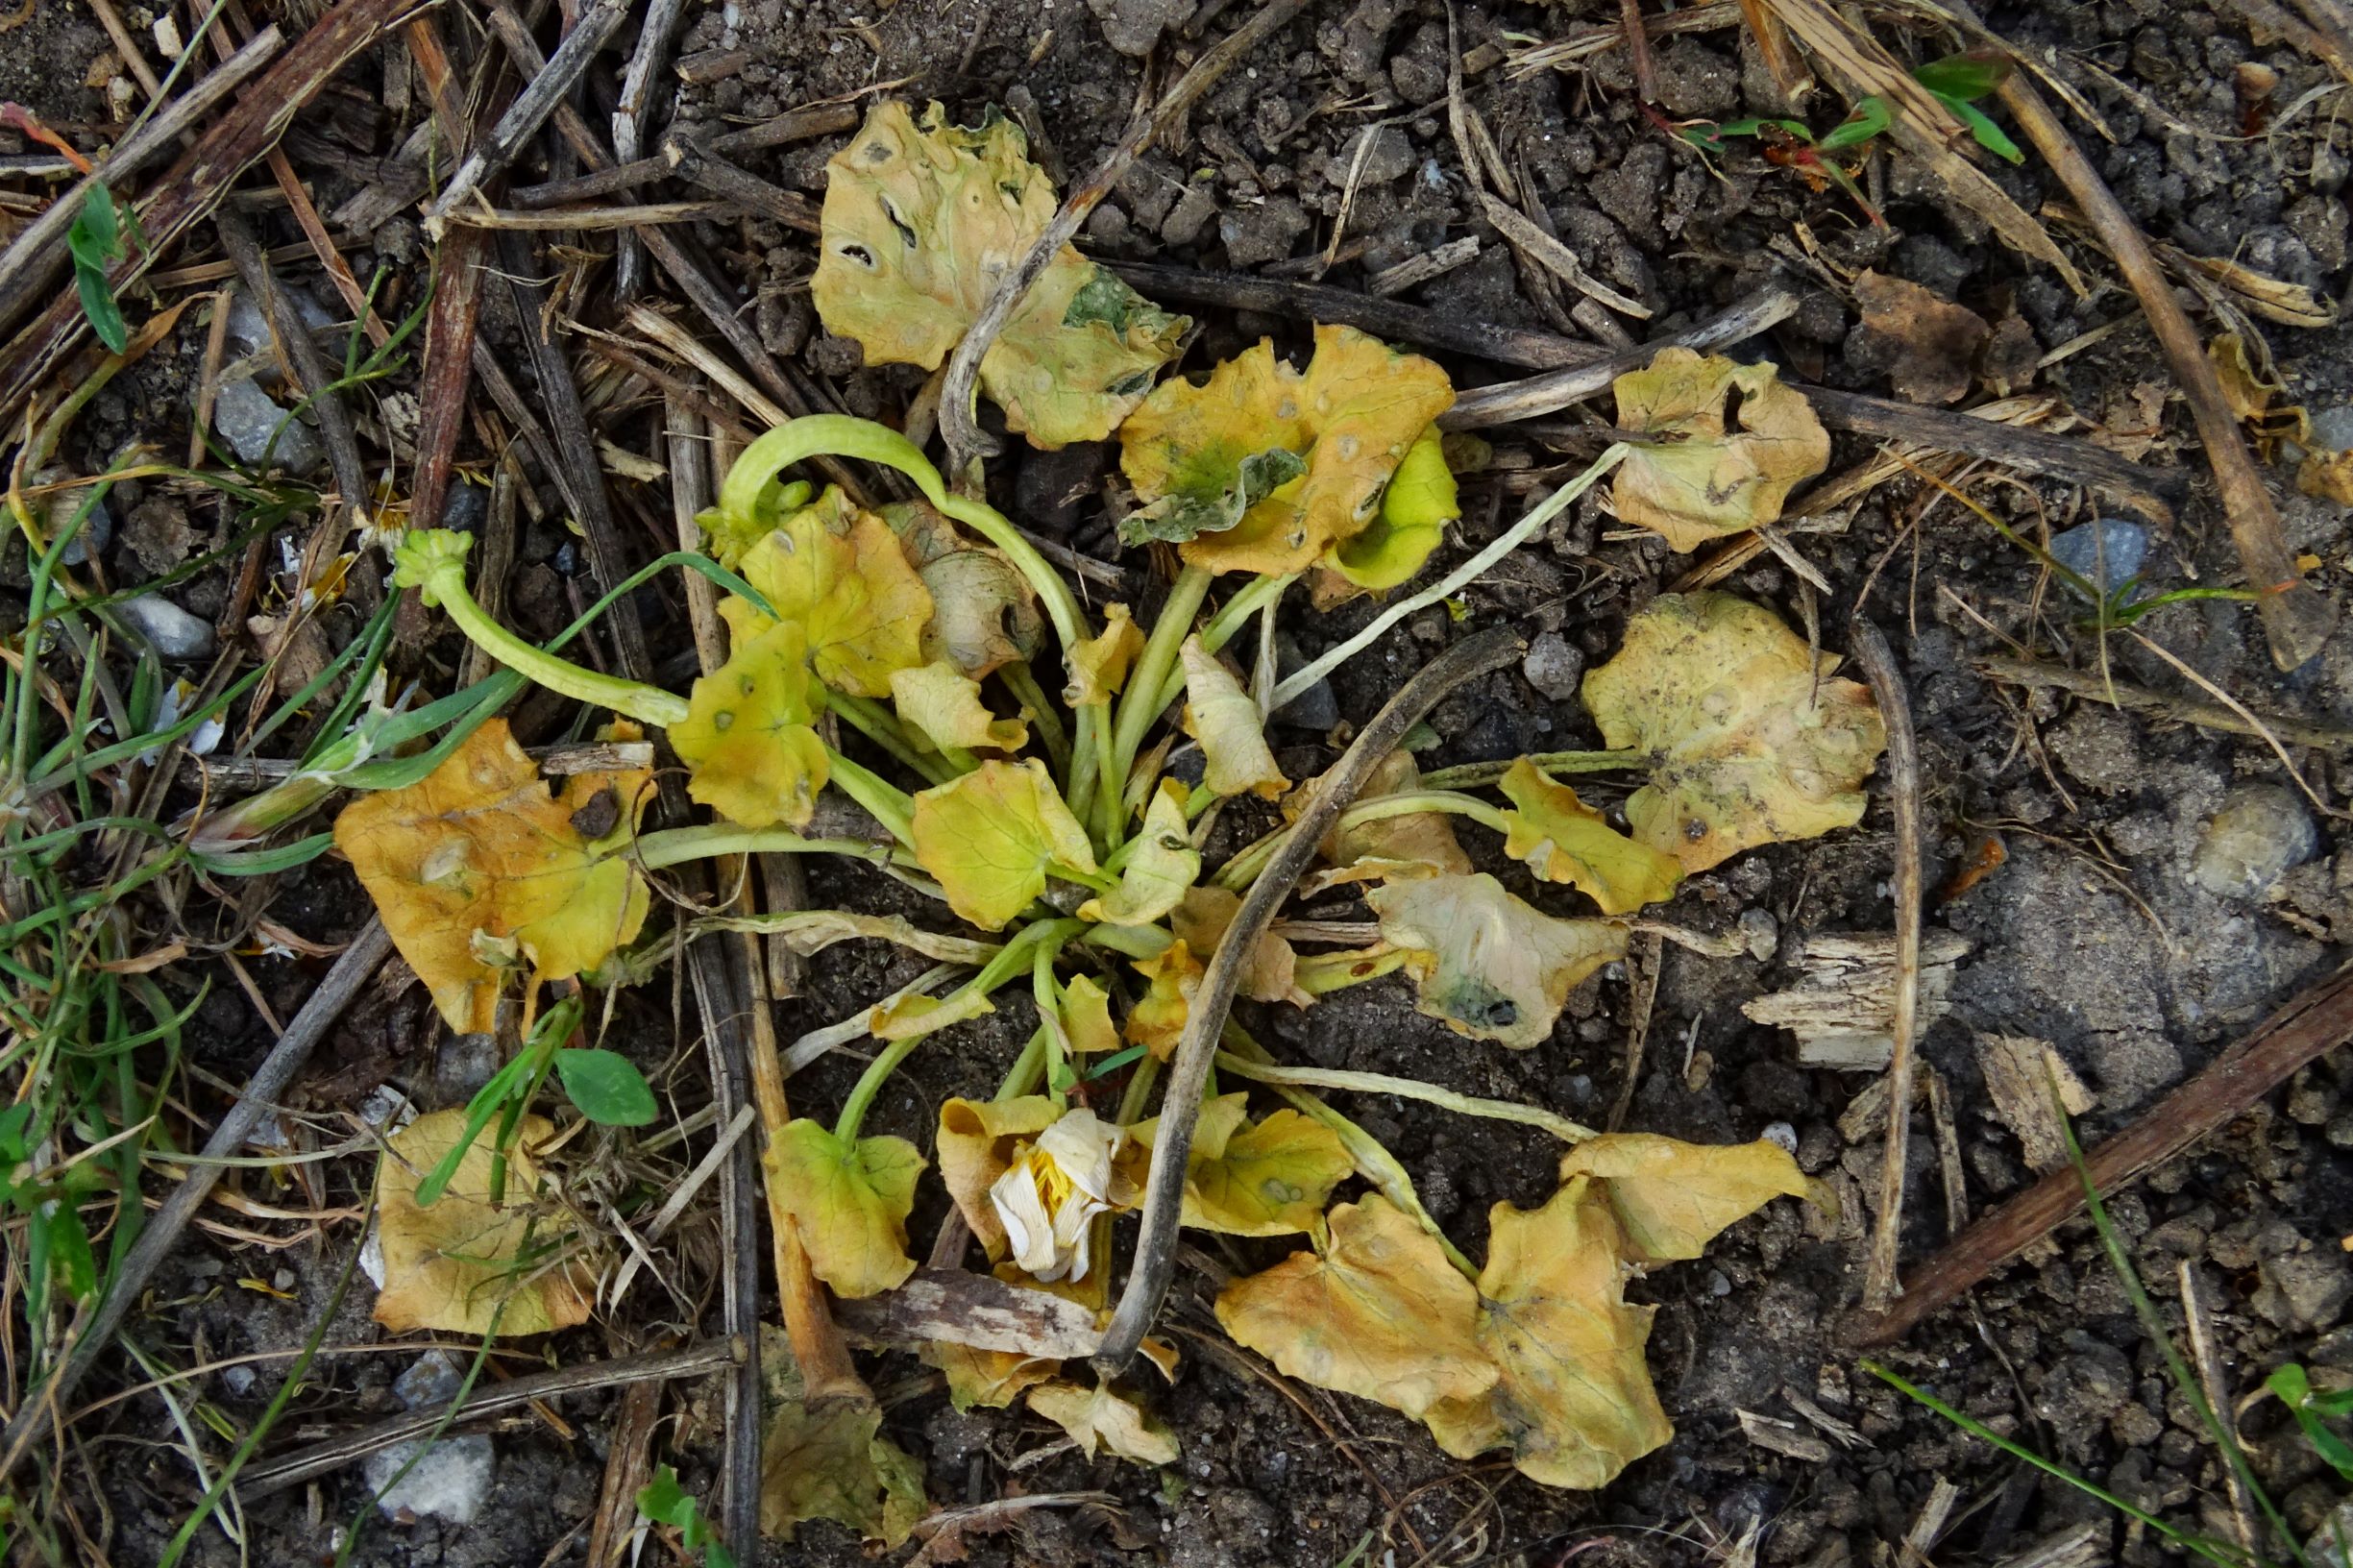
column 1057, row 1185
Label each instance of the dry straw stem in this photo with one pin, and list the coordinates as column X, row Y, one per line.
column 2318, row 1021
column 2181, row 710
column 1878, row 665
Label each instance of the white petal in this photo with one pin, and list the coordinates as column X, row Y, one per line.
column 1083, row 1144
column 1028, row 1228
column 1078, row 1253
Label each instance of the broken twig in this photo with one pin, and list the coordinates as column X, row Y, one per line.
column 1878, row 665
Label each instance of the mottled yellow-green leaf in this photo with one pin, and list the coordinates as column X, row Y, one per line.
column 747, row 742
column 1420, row 843
column 985, row 1378
column 1099, row 664
column 1564, row 840
column 1751, row 740
column 1378, row 1313
column 1706, row 479
column 1672, row 1198
column 975, row 1144
column 984, row 613
column 1098, row 1419
column 1160, row 866
column 923, row 218
column 1086, row 1019
column 461, row 1264
column 1489, row 964
column 1572, row 1399
column 1263, row 468
column 903, row 1018
column 944, row 705
column 840, row 575
column 480, row 847
column 989, row 837
column 1270, row 1179
column 831, row 1462
column 1231, row 732
column 849, row 1201
column 1200, row 920
column 1415, row 511
column 729, row 536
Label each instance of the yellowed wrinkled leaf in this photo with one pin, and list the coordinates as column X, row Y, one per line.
column 1200, row 920
column 944, row 705
column 1085, row 1020
column 748, row 740
column 984, row 613
column 985, row 1378
column 459, row 1265
column 903, row 1018
column 1420, row 843
column 849, row 1201
column 976, row 1146
column 1489, row 964
column 990, row 836
column 1704, row 478
column 831, row 1462
column 1572, row 1399
column 1564, row 840
column 1672, row 1198
column 1098, row 1419
column 1157, row 1021
column 480, row 845
column 923, row 218
column 1263, row 468
column 1378, row 1313
column 1160, row 866
column 841, row 576
column 1270, row 1179
column 1751, row 740
column 1231, row 732
column 1099, row 664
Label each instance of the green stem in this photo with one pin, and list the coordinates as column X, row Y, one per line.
column 1048, row 995
column 884, row 801
column 879, row 724
column 434, row 562
column 1093, row 746
column 1027, row 1069
column 1145, row 942
column 1227, row 624
column 1244, row 868
column 676, row 846
column 1020, row 680
column 1410, row 1088
column 1139, row 1089
column 1139, row 704
column 1473, row 775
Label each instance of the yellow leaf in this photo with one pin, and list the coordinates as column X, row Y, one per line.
column 840, row 575
column 1704, row 481
column 1422, row 844
column 478, row 845
column 748, row 741
column 1233, row 734
column 1157, row 1021
column 831, row 1462
column 459, row 1265
column 1671, row 1197
column 1099, row 665
column 1271, row 1179
column 1564, row 840
column 984, row 613
column 985, row 1378
column 1572, row 1398
column 1489, row 964
column 944, row 704
column 849, row 1202
column 1415, row 511
column 906, row 1016
column 989, row 837
column 1263, row 467
column 1379, row 1313
column 923, row 218
column 976, row 1146
column 1200, row 922
column 1084, row 1017
column 1752, row 741
column 1160, row 868
column 1097, row 1419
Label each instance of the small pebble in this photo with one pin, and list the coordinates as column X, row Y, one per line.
column 1781, row 1135
column 2260, row 832
column 1554, row 666
column 175, row 634
column 449, row 1479
column 433, row 1381
column 1761, row 931
column 1316, row 708
column 2331, row 428
column 2107, row 553
column 237, row 1380
column 246, row 418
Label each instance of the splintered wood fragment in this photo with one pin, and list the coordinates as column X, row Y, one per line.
column 1783, row 1438
column 1829, row 1425
column 636, row 215
column 1415, row 271
column 1536, row 396
column 1790, row 77
column 2080, row 1546
column 2020, row 1075
column 449, row 322
column 1842, row 1010
column 977, row 1309
column 553, row 82
column 799, row 124
column 1555, row 258
column 2320, row 1019
column 1928, row 1525
column 721, row 178
column 1640, row 59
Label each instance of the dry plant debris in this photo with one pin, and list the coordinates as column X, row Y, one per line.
column 1724, row 444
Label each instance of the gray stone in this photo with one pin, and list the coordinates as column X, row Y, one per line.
column 2086, row 1388
column 1554, row 666
column 448, row 1480
column 2301, row 1291
column 1133, row 26
column 246, row 418
column 463, row 1065
column 175, row 634
column 1191, row 215
column 2132, row 1066
column 2261, row 831
column 1314, row 709
column 237, row 1380
column 2331, row 428
column 1760, row 931
column 158, row 534
column 430, row 1384
column 1261, row 233
column 1386, row 154
column 2107, row 553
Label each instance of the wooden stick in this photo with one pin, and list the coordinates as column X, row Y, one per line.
column 2297, row 617
column 2320, row 1019
column 629, row 119
column 797, row 125
column 548, row 86
column 449, row 324
column 721, row 178
column 1550, row 392
column 1879, row 664
column 2182, row 710
column 1638, row 50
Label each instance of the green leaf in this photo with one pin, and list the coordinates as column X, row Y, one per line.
column 94, row 241
column 1989, row 136
column 70, row 1263
column 1964, row 76
column 2296, row 1391
column 1868, row 119
column 665, row 1502
column 1755, row 127
column 606, row 1086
